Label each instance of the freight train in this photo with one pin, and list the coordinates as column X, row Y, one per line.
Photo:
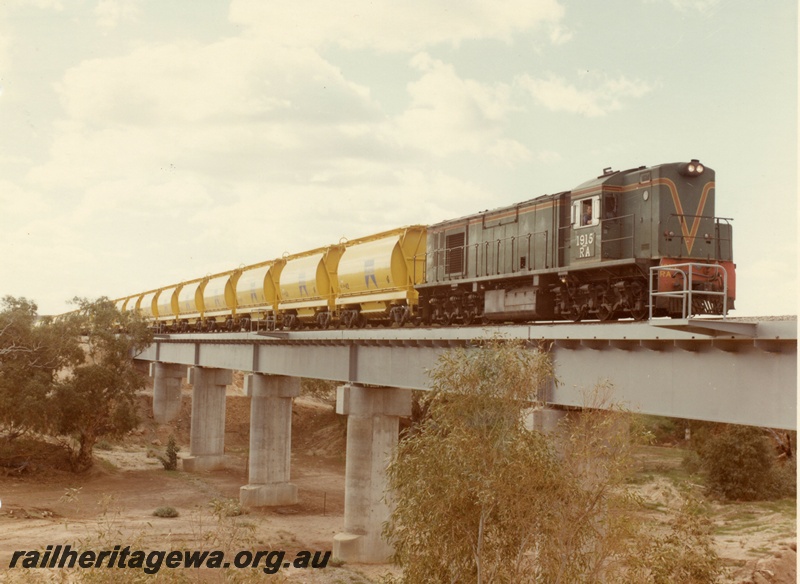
column 626, row 244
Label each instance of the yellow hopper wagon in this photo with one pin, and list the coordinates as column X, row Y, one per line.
column 308, row 288
column 377, row 275
column 257, row 294
column 219, row 300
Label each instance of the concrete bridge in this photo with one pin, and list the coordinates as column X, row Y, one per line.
column 736, row 371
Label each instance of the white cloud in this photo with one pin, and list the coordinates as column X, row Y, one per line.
column 393, row 26
column 189, row 158
column 56, row 5
column 181, row 158
column 449, row 114
column 605, row 95
column 234, row 107
column 560, row 35
column 110, row 13
column 696, row 6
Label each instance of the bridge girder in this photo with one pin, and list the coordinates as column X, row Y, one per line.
column 722, row 371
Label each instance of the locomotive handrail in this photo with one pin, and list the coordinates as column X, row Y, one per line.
column 688, row 292
column 717, row 221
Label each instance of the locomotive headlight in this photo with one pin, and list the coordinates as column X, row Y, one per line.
column 693, row 168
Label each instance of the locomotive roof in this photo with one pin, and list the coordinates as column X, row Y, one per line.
column 608, row 177
column 496, row 209
column 612, row 177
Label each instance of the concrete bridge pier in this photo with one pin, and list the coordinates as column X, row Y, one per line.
column 166, row 390
column 546, row 419
column 207, row 437
column 270, row 440
column 373, row 426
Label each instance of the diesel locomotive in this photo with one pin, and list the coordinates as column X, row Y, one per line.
column 626, row 244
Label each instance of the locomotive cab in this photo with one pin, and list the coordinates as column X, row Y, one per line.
column 695, row 272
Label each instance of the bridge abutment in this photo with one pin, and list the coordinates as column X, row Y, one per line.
column 373, row 426
column 270, row 440
column 166, row 390
column 207, row 437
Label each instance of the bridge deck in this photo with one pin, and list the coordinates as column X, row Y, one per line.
column 735, row 370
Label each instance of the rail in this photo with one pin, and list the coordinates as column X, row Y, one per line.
column 690, row 274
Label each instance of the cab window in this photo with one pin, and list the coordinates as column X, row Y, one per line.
column 586, row 212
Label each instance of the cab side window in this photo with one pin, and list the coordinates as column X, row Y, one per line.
column 586, row 212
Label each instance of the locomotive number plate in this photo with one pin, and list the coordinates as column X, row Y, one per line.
column 585, row 243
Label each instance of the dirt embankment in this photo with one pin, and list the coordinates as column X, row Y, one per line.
column 113, row 504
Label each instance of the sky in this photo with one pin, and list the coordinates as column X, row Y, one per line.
column 144, row 143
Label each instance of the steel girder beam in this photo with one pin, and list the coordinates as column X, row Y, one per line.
column 724, row 371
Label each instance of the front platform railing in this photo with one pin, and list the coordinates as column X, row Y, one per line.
column 692, row 276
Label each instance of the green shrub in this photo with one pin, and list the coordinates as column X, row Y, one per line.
column 166, row 512
column 170, row 459
column 320, row 389
column 692, row 462
column 739, row 461
column 104, row 445
column 784, row 479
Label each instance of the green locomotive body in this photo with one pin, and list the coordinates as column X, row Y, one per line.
column 596, row 251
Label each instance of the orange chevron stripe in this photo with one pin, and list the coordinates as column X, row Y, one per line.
column 689, row 235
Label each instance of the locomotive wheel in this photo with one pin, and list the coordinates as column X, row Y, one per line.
column 469, row 316
column 706, row 306
column 576, row 313
column 638, row 302
column 605, row 312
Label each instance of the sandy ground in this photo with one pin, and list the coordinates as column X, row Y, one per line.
column 113, row 504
